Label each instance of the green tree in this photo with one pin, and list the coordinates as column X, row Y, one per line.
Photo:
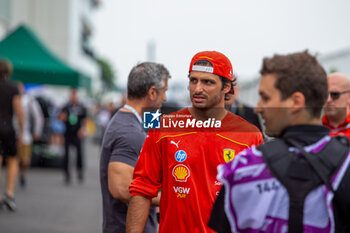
column 333, row 70
column 108, row 76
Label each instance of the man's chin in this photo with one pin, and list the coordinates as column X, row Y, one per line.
column 271, row 133
column 199, row 105
column 330, row 112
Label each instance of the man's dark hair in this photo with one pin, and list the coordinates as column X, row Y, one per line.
column 224, row 80
column 299, row 72
column 5, row 68
column 145, row 75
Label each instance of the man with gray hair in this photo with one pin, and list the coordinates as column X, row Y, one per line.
column 337, row 107
column 123, row 140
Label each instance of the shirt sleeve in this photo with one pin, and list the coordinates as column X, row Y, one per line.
column 260, row 139
column 148, row 173
column 84, row 112
column 15, row 90
column 126, row 147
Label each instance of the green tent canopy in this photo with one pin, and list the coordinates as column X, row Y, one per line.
column 34, row 63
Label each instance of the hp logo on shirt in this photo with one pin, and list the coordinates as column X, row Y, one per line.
column 180, row 156
column 151, row 120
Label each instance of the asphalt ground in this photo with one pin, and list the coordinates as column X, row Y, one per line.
column 47, row 205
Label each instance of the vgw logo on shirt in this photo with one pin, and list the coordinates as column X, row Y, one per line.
column 151, row 120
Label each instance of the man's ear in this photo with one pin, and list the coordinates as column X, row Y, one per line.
column 297, row 101
column 227, row 87
column 348, row 102
column 152, row 93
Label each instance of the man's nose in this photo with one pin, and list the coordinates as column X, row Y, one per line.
column 198, row 88
column 258, row 108
column 329, row 99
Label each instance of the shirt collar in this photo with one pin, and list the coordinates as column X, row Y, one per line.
column 305, row 134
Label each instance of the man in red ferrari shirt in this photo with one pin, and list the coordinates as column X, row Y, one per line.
column 181, row 157
column 337, row 107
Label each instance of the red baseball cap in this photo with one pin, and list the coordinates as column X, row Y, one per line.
column 221, row 64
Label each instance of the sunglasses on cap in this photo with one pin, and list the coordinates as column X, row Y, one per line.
column 336, row 94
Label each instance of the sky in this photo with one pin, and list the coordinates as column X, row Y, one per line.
column 246, row 31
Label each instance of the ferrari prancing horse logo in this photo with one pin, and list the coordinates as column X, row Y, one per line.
column 228, row 155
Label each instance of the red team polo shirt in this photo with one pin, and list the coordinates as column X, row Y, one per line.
column 343, row 128
column 182, row 163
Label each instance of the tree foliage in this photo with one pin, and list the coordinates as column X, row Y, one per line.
column 108, row 76
column 333, row 70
